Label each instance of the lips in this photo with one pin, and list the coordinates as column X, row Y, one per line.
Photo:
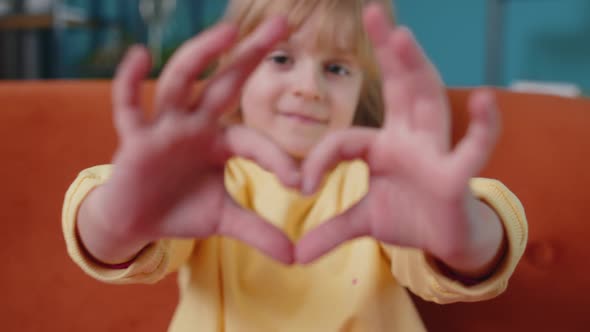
column 303, row 118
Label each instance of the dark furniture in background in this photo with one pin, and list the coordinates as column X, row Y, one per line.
column 87, row 38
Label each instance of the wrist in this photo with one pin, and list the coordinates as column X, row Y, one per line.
column 123, row 264
column 471, row 277
column 102, row 239
column 483, row 248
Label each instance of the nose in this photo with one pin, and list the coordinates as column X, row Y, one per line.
column 308, row 84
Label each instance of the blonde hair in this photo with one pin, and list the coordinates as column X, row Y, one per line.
column 340, row 18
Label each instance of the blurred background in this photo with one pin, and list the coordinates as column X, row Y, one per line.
column 512, row 43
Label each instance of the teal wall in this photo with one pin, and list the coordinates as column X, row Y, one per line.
column 547, row 40
column 452, row 33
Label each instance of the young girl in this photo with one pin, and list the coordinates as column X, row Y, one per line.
column 326, row 127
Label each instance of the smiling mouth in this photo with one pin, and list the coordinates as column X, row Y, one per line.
column 301, row 118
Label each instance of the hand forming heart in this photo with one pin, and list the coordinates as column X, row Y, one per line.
column 419, row 195
column 168, row 173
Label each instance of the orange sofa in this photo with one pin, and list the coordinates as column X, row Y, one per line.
column 52, row 130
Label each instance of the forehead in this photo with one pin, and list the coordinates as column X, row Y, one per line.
column 330, row 24
column 321, row 33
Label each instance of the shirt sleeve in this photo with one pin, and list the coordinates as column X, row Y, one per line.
column 415, row 270
column 152, row 265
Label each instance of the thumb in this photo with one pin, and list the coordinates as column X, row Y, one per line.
column 248, row 227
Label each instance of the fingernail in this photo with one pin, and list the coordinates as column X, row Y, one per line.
column 133, row 52
column 295, row 180
column 308, row 187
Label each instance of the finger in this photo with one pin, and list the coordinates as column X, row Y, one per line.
column 249, row 228
column 432, row 123
column 396, row 49
column 133, row 69
column 474, row 150
column 417, row 91
column 353, row 223
column 410, row 79
column 340, row 146
column 406, row 71
column 223, row 89
column 379, row 30
column 250, row 144
column 178, row 76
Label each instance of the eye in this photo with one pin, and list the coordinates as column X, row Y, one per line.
column 337, row 69
column 280, row 58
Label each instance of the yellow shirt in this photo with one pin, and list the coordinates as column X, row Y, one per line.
column 360, row 286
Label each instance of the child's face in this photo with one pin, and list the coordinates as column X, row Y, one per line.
column 301, row 92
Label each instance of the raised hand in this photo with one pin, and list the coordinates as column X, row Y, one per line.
column 418, row 191
column 168, row 174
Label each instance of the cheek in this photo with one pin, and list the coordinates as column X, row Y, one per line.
column 346, row 102
column 252, row 115
column 256, row 100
